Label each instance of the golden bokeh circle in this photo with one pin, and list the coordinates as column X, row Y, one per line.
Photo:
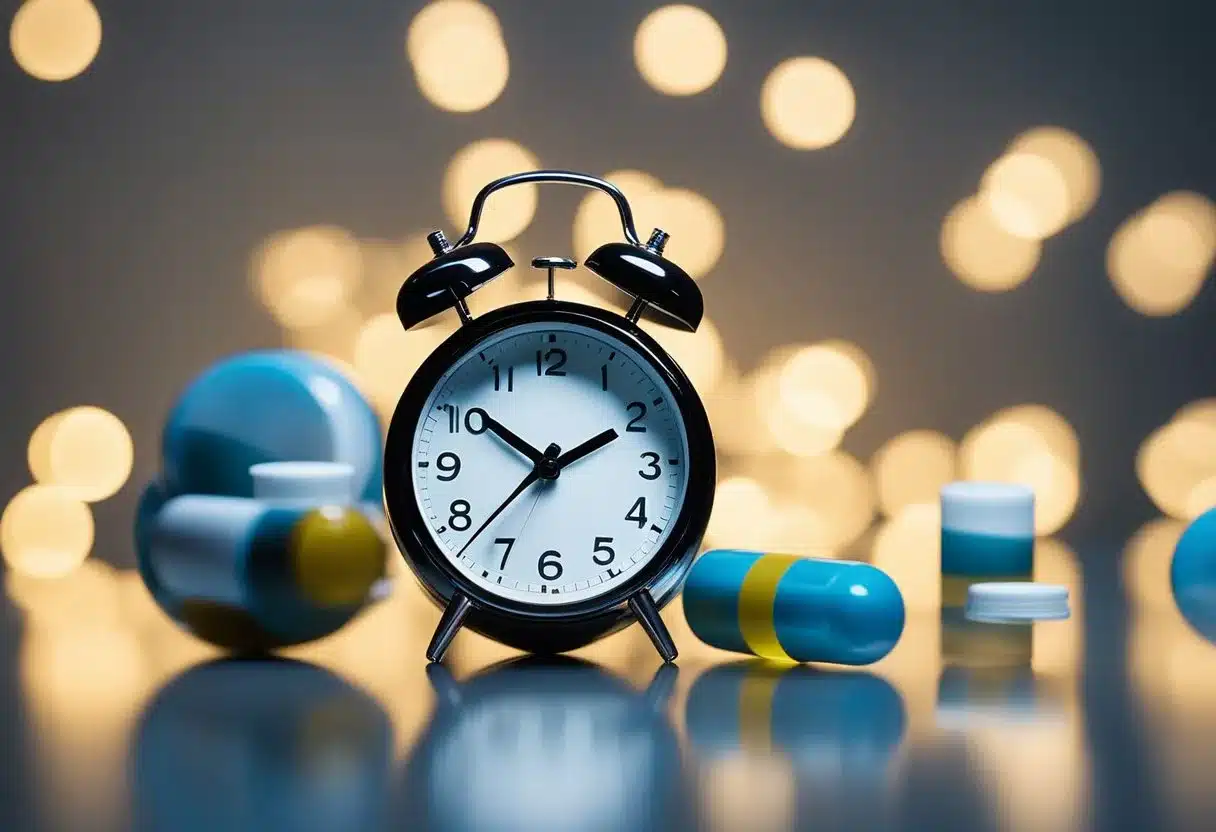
column 741, row 505
column 54, row 40
column 910, row 469
column 87, row 451
column 507, row 213
column 1026, row 195
column 305, row 276
column 1146, row 563
column 1174, row 464
column 1159, row 258
column 824, row 385
column 701, row 354
column 680, row 50
column 981, row 253
column 386, row 356
column 697, row 231
column 1072, row 157
column 908, row 548
column 459, row 56
column 45, row 531
column 807, row 103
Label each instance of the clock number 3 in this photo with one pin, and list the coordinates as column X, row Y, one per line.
column 652, row 471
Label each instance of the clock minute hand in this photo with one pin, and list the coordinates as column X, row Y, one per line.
column 590, row 446
column 541, row 468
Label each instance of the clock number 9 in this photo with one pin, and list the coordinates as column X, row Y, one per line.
column 449, row 464
column 548, row 566
column 460, row 520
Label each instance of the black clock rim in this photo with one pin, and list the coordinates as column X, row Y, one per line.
column 408, row 526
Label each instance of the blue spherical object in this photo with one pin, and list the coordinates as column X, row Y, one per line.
column 271, row 406
column 1193, row 575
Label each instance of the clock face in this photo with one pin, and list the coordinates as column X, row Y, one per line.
column 608, row 423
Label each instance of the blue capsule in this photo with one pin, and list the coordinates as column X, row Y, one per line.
column 790, row 608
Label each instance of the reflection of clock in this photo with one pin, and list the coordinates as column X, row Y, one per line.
column 261, row 745
column 557, row 745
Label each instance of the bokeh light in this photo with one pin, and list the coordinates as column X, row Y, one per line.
column 680, row 50
column 787, row 428
column 89, row 597
column 908, row 548
column 1159, row 258
column 1146, row 564
column 305, row 276
column 824, row 385
column 1057, row 646
column 1026, row 194
column 828, row 498
column 910, row 469
column 741, row 505
column 335, row 338
column 739, row 425
column 753, row 791
column 54, row 40
column 507, row 213
column 386, row 356
column 700, row 354
column 1020, row 445
column 45, row 531
column 981, row 253
column 458, row 54
column 1177, row 463
column 85, row 450
column 1072, row 157
column 807, row 103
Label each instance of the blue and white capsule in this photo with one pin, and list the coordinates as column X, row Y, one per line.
column 790, row 608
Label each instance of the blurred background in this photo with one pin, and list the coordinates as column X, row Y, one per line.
column 938, row 241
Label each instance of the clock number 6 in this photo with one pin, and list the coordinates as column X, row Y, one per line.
column 652, row 471
column 548, row 566
column 601, row 545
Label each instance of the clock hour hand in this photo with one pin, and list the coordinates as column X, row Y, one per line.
column 498, row 429
column 535, row 474
column 590, row 446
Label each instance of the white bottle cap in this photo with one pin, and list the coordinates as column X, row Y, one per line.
column 1003, row 509
column 1014, row 602
column 330, row 483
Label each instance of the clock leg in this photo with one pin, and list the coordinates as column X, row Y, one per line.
column 449, row 624
column 647, row 613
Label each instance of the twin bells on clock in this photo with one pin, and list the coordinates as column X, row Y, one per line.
column 636, row 268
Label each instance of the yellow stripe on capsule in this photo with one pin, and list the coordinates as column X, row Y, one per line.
column 756, row 709
column 756, row 598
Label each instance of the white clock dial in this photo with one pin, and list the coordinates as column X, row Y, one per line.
column 604, row 516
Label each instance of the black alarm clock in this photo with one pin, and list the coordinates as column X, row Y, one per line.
column 549, row 470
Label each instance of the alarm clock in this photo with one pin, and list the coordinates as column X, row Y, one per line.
column 549, row 470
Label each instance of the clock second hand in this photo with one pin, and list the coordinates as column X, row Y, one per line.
column 535, row 474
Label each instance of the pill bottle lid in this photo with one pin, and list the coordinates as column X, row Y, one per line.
column 313, row 482
column 1016, row 602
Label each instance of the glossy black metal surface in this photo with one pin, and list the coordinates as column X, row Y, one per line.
column 646, row 275
column 547, row 629
column 445, row 281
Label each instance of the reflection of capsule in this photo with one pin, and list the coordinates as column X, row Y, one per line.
column 852, row 721
column 792, row 608
column 261, row 745
column 987, row 535
column 539, row 744
column 247, row 574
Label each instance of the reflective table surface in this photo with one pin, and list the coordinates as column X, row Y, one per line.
column 115, row 719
